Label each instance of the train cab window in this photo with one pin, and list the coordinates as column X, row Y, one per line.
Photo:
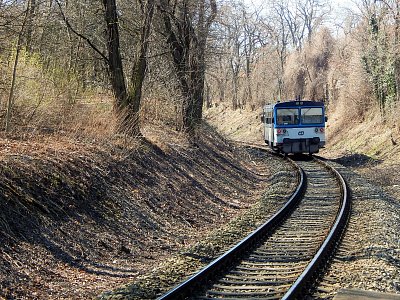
column 287, row 116
column 312, row 115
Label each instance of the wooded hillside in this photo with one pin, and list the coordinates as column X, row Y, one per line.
column 106, row 164
column 106, row 67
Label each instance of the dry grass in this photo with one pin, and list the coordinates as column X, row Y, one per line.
column 240, row 125
column 372, row 137
column 54, row 103
column 78, row 217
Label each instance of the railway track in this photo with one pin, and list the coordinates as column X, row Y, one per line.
column 282, row 258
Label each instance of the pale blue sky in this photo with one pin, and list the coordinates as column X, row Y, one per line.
column 336, row 4
column 340, row 8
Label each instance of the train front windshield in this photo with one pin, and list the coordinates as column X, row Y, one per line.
column 312, row 115
column 287, row 116
column 303, row 115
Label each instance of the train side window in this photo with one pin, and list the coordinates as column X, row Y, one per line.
column 268, row 117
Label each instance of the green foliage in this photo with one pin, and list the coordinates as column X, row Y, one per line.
column 45, row 94
column 378, row 61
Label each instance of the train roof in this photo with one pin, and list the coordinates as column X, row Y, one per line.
column 297, row 103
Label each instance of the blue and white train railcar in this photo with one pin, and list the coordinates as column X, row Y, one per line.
column 295, row 126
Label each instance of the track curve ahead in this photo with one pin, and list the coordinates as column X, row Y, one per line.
column 280, row 259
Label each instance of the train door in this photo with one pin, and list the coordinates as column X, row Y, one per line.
column 268, row 126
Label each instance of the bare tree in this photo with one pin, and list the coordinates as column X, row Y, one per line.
column 254, row 38
column 312, row 14
column 114, row 60
column 187, row 25
column 281, row 35
column 127, row 95
column 10, row 102
column 218, row 69
column 140, row 62
column 128, row 101
column 236, row 56
column 237, row 36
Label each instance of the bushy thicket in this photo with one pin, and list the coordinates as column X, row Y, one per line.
column 61, row 82
column 254, row 57
column 355, row 71
column 307, row 70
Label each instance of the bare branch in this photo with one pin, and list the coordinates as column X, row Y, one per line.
column 81, row 35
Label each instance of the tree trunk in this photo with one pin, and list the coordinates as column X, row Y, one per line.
column 207, row 94
column 281, row 53
column 30, row 24
column 114, row 56
column 235, row 68
column 235, row 102
column 140, row 64
column 10, row 101
column 249, row 98
column 198, row 78
column 128, row 119
column 187, row 46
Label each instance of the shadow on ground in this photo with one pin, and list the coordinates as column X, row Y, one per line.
column 357, row 160
column 100, row 213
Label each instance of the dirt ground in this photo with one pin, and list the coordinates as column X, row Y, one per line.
column 80, row 218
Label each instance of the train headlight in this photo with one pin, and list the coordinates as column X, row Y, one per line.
column 281, row 131
column 322, row 129
column 316, row 130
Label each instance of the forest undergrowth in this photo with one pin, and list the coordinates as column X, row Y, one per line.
column 81, row 215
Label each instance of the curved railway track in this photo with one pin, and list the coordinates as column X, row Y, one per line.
column 282, row 258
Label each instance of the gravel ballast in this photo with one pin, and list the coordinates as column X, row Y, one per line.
column 369, row 256
column 281, row 184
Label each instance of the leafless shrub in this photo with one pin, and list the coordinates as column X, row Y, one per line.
column 349, row 89
column 54, row 101
column 264, row 77
column 306, row 70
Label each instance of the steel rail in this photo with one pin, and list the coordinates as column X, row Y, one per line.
column 332, row 239
column 318, row 261
column 210, row 271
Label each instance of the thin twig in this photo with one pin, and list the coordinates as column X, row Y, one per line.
column 81, row 35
